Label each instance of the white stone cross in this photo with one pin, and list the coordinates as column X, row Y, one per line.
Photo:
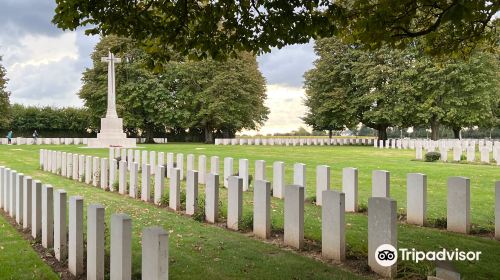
column 111, row 109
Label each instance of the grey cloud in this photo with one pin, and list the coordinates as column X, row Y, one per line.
column 55, row 83
column 286, row 66
column 19, row 17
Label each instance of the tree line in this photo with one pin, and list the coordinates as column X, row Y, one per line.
column 48, row 121
column 390, row 87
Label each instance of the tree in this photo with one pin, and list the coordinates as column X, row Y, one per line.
column 222, row 96
column 401, row 88
column 217, row 28
column 329, row 87
column 457, row 93
column 4, row 97
column 350, row 85
column 197, row 96
column 443, row 26
column 384, row 96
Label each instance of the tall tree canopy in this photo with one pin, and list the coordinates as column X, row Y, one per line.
column 204, row 97
column 389, row 87
column 327, row 83
column 4, row 97
column 216, row 28
column 457, row 93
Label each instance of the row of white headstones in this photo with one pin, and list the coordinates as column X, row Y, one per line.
column 45, row 141
column 297, row 141
column 43, row 209
column 335, row 204
column 63, row 141
column 431, row 145
column 486, row 153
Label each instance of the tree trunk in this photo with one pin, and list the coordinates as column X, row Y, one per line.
column 209, row 135
column 149, row 137
column 456, row 132
column 382, row 133
column 148, row 134
column 434, row 130
column 330, row 134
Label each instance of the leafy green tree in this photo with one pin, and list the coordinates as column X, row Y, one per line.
column 4, row 97
column 223, row 96
column 384, row 96
column 196, row 96
column 301, row 131
column 350, row 85
column 400, row 88
column 458, row 93
column 217, row 28
column 329, row 87
column 442, row 26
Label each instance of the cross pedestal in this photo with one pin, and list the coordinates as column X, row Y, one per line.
column 111, row 135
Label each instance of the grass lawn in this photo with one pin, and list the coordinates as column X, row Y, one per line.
column 227, row 254
column 18, row 260
column 197, row 250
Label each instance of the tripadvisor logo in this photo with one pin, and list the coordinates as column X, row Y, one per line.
column 386, row 255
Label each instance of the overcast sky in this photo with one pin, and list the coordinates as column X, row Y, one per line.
column 44, row 64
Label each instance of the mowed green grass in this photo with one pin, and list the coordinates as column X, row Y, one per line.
column 197, row 250
column 366, row 159
column 18, row 260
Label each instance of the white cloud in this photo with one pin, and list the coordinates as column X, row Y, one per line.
column 34, row 50
column 54, row 84
column 286, row 104
column 42, row 70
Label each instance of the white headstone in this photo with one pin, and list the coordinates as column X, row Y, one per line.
column 234, row 202
column 191, row 192
column 278, row 179
column 322, row 182
column 294, row 216
column 262, row 209
column 350, row 188
column 243, row 173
